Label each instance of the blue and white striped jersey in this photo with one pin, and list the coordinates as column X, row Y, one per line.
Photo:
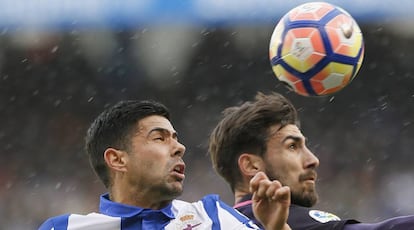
column 208, row 213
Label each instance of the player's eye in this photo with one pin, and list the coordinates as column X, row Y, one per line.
column 159, row 138
column 293, row 146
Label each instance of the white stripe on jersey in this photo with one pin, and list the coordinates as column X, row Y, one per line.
column 94, row 221
column 189, row 215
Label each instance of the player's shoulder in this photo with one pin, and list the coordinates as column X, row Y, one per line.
column 207, row 212
column 210, row 205
column 55, row 223
column 320, row 216
column 305, row 218
column 79, row 221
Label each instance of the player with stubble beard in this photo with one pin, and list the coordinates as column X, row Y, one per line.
column 263, row 137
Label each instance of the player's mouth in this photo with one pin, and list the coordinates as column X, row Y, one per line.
column 309, row 177
column 179, row 171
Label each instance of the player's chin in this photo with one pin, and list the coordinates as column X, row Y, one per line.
column 311, row 198
column 305, row 200
column 177, row 187
column 310, row 190
column 306, row 197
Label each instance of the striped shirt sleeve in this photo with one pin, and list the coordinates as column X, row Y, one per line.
column 92, row 221
column 225, row 216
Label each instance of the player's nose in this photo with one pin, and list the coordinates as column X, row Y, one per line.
column 311, row 160
column 179, row 149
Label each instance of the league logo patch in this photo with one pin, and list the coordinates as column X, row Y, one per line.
column 322, row 216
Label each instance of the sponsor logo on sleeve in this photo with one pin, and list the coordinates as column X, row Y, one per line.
column 322, row 216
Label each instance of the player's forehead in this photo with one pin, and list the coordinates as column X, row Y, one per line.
column 279, row 132
column 154, row 123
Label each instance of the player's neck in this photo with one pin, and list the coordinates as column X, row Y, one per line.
column 239, row 194
column 130, row 196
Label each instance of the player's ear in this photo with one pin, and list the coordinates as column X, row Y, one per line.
column 116, row 159
column 250, row 164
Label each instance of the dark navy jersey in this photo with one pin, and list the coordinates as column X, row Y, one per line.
column 300, row 218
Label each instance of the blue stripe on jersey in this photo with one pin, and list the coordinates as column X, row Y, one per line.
column 131, row 223
column 56, row 223
column 233, row 212
column 209, row 203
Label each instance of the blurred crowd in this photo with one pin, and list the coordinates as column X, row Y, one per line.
column 54, row 83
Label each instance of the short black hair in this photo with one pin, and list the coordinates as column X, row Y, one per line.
column 114, row 128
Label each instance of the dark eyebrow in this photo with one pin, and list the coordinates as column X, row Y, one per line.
column 294, row 138
column 164, row 131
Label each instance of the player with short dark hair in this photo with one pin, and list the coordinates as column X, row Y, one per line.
column 264, row 135
column 134, row 149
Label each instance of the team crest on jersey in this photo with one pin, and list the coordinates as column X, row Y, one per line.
column 322, row 216
column 188, row 222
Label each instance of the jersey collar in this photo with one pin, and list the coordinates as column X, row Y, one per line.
column 111, row 208
column 245, row 200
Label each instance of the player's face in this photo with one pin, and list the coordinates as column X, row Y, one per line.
column 155, row 164
column 290, row 161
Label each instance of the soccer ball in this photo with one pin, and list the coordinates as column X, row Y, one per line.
column 317, row 49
